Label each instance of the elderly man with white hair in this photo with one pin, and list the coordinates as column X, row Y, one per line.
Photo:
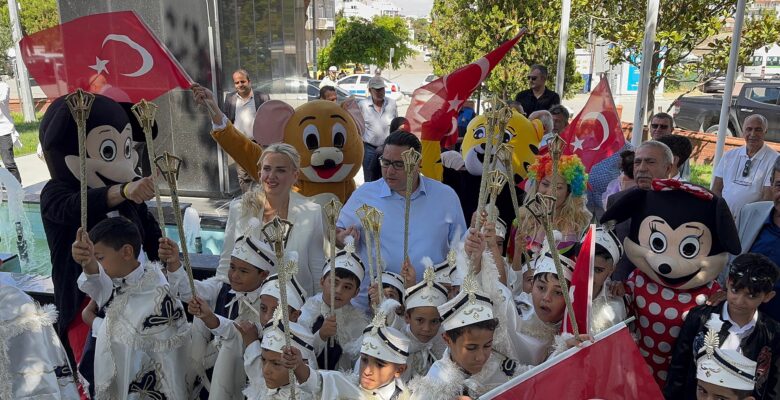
column 547, row 123
column 743, row 174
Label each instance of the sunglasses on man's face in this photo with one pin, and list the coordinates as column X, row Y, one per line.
column 657, row 126
column 746, row 170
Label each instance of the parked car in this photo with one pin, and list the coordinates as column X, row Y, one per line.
column 714, row 83
column 428, row 79
column 357, row 85
column 702, row 113
column 295, row 91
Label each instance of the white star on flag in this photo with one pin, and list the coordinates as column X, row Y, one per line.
column 577, row 144
column 100, row 65
column 454, row 104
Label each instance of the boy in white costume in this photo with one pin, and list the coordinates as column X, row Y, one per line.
column 144, row 339
column 33, row 363
column 217, row 350
column 723, row 374
column 606, row 309
column 383, row 354
column 337, row 334
column 269, row 379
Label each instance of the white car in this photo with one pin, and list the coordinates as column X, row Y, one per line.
column 357, row 85
column 428, row 79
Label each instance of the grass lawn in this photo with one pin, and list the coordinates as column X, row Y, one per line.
column 701, row 174
column 28, row 132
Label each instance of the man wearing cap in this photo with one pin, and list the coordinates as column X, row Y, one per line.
column 330, row 78
column 378, row 112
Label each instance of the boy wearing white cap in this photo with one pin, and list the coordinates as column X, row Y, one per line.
column 270, row 295
column 606, row 309
column 723, row 374
column 273, row 382
column 383, row 354
column 469, row 366
column 216, row 345
column 337, row 327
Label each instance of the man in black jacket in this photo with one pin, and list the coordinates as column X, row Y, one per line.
column 240, row 106
column 740, row 327
column 537, row 97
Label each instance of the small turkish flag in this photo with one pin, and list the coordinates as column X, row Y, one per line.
column 611, row 368
column 433, row 111
column 595, row 132
column 114, row 54
column 582, row 285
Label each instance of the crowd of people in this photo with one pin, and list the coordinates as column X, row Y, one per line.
column 466, row 310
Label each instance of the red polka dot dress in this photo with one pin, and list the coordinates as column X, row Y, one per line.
column 660, row 312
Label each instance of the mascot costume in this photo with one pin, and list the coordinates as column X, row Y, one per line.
column 325, row 135
column 679, row 240
column 522, row 134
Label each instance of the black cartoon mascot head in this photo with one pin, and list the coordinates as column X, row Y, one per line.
column 680, row 233
column 111, row 131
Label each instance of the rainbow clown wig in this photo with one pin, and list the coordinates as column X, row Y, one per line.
column 570, row 168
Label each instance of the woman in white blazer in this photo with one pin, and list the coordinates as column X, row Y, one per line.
column 279, row 168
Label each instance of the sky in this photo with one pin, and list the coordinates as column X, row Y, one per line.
column 415, row 7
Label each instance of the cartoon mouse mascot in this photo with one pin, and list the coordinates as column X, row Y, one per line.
column 522, row 134
column 325, row 135
column 114, row 188
column 679, row 241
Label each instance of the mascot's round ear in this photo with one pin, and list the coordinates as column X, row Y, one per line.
column 273, row 116
column 352, row 107
column 626, row 206
column 727, row 234
column 138, row 131
column 57, row 115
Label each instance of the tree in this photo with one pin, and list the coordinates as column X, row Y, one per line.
column 758, row 32
column 682, row 26
column 360, row 41
column 461, row 31
column 420, row 28
column 34, row 16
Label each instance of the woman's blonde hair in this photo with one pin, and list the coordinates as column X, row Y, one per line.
column 253, row 201
column 573, row 217
column 284, row 149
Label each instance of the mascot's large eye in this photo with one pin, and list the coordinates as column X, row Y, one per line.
column 658, row 242
column 507, row 136
column 339, row 135
column 311, row 137
column 108, row 150
column 479, row 133
column 128, row 148
column 689, row 247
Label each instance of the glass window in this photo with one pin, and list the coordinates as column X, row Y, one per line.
column 758, row 61
column 766, row 95
column 350, row 80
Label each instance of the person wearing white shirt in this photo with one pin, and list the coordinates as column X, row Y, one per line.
column 9, row 137
column 330, row 78
column 743, row 175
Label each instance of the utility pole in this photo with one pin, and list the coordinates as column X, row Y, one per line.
column 22, row 79
column 314, row 36
column 651, row 21
column 560, row 74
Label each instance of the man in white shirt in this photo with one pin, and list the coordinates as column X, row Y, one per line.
column 743, row 175
column 8, row 134
column 330, row 78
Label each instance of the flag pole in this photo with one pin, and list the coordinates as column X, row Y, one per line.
column 145, row 111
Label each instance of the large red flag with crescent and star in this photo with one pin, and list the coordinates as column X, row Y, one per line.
column 610, row 368
column 433, row 110
column 582, row 284
column 595, row 133
column 114, row 54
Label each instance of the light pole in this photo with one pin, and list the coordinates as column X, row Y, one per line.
column 22, row 79
column 651, row 20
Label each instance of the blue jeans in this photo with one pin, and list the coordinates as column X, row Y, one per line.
column 369, row 153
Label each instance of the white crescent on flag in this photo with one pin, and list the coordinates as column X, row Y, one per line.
column 597, row 116
column 146, row 58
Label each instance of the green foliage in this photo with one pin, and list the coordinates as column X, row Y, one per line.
column 35, row 15
column 462, row 31
column 701, row 174
column 420, row 27
column 361, row 41
column 28, row 134
column 757, row 32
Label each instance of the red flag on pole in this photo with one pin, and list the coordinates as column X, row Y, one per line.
column 433, row 110
column 595, row 133
column 114, row 54
column 582, row 284
column 611, row 368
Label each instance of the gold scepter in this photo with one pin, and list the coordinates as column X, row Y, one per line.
column 496, row 182
column 145, row 112
column 363, row 213
column 490, row 133
column 411, row 159
column 332, row 211
column 169, row 166
column 80, row 104
column 375, row 219
column 541, row 207
column 276, row 233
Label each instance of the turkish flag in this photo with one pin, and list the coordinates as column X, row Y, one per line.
column 595, row 132
column 611, row 368
column 582, row 284
column 114, row 54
